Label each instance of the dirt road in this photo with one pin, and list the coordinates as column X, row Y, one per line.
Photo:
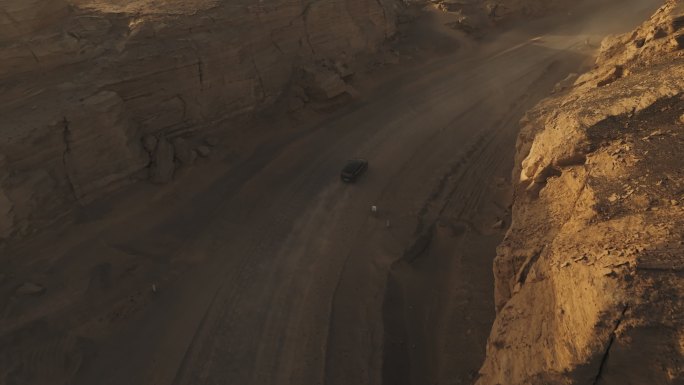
column 272, row 271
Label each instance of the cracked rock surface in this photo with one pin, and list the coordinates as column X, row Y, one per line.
column 589, row 279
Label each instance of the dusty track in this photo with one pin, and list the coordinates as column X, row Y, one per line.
column 274, row 272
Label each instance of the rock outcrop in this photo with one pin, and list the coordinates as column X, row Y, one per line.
column 498, row 10
column 590, row 276
column 477, row 14
column 84, row 81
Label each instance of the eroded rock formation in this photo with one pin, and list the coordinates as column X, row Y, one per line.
column 84, row 81
column 589, row 280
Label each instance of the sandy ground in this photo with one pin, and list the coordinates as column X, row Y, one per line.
column 269, row 270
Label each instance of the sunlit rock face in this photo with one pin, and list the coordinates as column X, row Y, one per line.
column 83, row 81
column 588, row 278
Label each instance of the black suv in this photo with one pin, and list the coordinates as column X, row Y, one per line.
column 353, row 169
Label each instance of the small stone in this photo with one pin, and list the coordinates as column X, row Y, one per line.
column 674, row 202
column 30, row 288
column 565, row 264
column 613, row 198
column 203, row 151
column 499, row 224
column 681, row 119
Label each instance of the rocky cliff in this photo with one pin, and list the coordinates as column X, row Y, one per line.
column 590, row 276
column 95, row 92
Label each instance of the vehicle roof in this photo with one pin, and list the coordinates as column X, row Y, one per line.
column 356, row 161
column 352, row 164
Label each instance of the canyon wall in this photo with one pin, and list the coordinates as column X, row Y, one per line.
column 590, row 276
column 97, row 93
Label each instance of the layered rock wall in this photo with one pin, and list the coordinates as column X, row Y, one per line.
column 590, row 276
column 84, row 81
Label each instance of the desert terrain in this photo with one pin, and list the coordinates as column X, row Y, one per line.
column 171, row 210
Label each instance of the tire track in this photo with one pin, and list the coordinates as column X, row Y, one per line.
column 481, row 160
